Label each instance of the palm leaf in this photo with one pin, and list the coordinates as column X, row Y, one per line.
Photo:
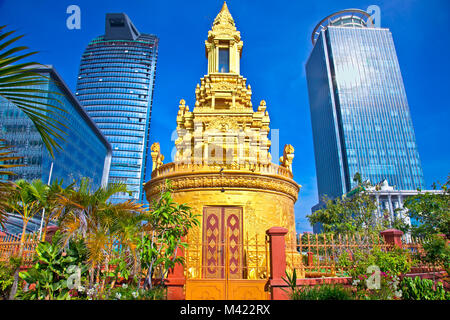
column 22, row 87
column 5, row 156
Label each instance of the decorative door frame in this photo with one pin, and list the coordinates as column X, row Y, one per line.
column 222, row 238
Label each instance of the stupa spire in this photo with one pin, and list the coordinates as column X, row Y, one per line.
column 224, row 20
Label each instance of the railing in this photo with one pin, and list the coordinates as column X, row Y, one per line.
column 228, row 260
column 262, row 168
column 10, row 247
column 320, row 252
column 415, row 247
column 317, row 254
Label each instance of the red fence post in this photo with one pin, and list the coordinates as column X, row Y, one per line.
column 393, row 237
column 277, row 247
column 310, row 258
column 176, row 279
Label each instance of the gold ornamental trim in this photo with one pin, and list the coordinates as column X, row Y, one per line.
column 227, row 181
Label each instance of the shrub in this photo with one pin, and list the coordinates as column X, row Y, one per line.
column 388, row 288
column 422, row 289
column 131, row 292
column 53, row 268
column 376, row 274
column 395, row 262
column 7, row 270
column 437, row 252
column 322, row 292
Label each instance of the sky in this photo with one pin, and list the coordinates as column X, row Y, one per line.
column 276, row 36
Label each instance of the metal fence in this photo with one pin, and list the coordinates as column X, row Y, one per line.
column 316, row 254
column 10, row 247
column 246, row 260
column 320, row 253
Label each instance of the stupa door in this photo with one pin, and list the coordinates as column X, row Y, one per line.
column 224, row 274
column 222, row 243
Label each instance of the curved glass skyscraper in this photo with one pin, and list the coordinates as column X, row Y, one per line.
column 359, row 111
column 115, row 86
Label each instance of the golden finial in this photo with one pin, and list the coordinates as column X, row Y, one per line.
column 224, row 18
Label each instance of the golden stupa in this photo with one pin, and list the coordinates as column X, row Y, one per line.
column 222, row 167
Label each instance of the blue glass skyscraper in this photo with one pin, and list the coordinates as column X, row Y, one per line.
column 360, row 116
column 115, row 86
column 84, row 152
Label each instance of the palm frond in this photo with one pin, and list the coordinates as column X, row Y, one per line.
column 5, row 157
column 23, row 88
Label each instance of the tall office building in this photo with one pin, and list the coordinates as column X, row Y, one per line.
column 84, row 152
column 359, row 112
column 115, row 86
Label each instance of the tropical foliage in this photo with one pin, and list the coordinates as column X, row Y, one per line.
column 431, row 211
column 322, row 292
column 23, row 87
column 436, row 252
column 54, row 266
column 89, row 213
column 166, row 224
column 7, row 270
column 423, row 289
column 106, row 243
column 349, row 214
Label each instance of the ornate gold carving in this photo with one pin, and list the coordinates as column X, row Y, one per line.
column 215, row 180
column 223, row 86
column 288, row 157
column 157, row 157
column 223, row 123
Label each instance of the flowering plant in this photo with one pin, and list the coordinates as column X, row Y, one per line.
column 132, row 292
column 387, row 289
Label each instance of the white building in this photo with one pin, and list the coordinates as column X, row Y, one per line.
column 390, row 201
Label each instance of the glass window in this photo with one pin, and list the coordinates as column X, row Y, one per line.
column 224, row 60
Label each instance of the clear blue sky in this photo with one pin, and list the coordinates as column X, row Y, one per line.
column 276, row 37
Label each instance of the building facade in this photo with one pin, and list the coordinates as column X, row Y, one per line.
column 84, row 152
column 115, row 86
column 360, row 116
column 223, row 171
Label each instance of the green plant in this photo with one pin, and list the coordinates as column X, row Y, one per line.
column 122, row 269
column 132, row 292
column 89, row 213
column 49, row 277
column 322, row 292
column 388, row 288
column 431, row 211
column 344, row 261
column 352, row 213
column 291, row 281
column 375, row 274
column 7, row 270
column 423, row 289
column 395, row 261
column 167, row 223
column 437, row 252
column 20, row 200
